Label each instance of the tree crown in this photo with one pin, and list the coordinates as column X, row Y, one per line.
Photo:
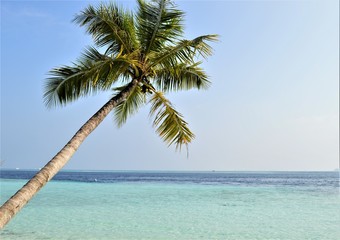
column 146, row 46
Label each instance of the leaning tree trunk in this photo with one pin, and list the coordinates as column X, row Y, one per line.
column 20, row 198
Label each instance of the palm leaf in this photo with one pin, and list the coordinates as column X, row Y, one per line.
column 110, row 26
column 181, row 77
column 92, row 72
column 184, row 51
column 169, row 123
column 129, row 106
column 158, row 23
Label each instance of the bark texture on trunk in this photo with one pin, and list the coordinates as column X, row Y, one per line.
column 20, row 198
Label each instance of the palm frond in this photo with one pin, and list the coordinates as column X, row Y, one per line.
column 145, row 47
column 129, row 106
column 158, row 23
column 181, row 77
column 110, row 26
column 169, row 123
column 92, row 72
column 184, row 51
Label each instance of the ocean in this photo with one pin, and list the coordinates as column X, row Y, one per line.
column 177, row 205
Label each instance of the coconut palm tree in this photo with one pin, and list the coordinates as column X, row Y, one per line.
column 140, row 57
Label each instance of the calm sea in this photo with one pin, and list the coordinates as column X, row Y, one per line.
column 177, row 205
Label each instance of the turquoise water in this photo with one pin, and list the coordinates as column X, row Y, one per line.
column 175, row 210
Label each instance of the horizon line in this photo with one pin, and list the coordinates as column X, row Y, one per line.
column 164, row 170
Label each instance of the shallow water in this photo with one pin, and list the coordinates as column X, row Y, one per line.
column 156, row 205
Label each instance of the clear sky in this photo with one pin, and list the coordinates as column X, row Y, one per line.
column 273, row 105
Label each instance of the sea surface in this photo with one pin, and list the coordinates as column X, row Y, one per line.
column 177, row 205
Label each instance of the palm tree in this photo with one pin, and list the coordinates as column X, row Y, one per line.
column 140, row 57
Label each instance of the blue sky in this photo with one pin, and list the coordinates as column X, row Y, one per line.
column 273, row 105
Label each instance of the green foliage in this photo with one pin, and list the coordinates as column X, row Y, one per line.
column 181, row 77
column 132, row 103
column 92, row 72
column 146, row 46
column 185, row 51
column 169, row 123
column 110, row 26
column 158, row 23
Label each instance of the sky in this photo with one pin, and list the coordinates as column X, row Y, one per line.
column 273, row 104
